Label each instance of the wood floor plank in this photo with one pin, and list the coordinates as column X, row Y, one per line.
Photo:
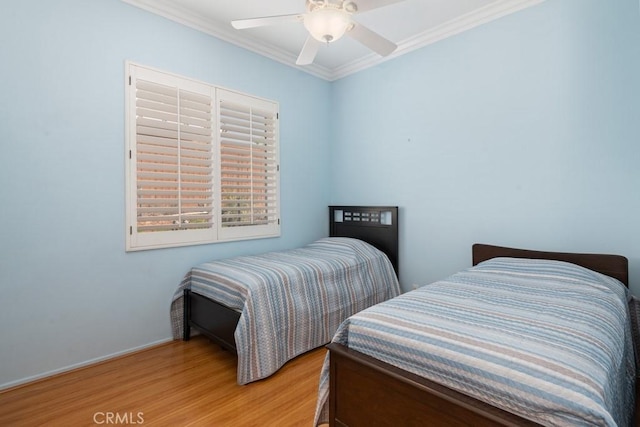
column 176, row 384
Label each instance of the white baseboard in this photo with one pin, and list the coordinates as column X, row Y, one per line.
column 81, row 364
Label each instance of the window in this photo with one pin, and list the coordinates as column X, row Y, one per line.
column 202, row 162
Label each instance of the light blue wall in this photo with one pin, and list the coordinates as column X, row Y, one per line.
column 70, row 293
column 523, row 132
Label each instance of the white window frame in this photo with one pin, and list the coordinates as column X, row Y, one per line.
column 220, row 230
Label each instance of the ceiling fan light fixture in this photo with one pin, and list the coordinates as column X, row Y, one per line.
column 327, row 24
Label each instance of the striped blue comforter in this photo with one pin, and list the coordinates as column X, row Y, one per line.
column 290, row 301
column 547, row 340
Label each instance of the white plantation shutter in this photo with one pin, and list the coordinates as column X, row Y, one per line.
column 174, row 158
column 249, row 169
column 192, row 173
column 171, row 170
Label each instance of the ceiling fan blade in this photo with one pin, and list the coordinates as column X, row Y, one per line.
column 242, row 24
column 366, row 5
column 308, row 52
column 373, row 41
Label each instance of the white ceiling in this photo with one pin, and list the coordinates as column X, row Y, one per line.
column 410, row 24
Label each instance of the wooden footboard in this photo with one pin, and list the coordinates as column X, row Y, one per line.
column 212, row 319
column 366, row 392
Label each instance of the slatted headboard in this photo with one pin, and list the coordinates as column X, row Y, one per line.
column 376, row 225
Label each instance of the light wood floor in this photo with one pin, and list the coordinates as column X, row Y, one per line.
column 176, row 384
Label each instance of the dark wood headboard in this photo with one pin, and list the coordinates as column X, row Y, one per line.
column 615, row 266
column 376, row 225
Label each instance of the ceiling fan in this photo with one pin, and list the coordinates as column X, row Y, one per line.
column 327, row 21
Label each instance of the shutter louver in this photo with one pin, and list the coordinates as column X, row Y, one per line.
column 173, row 158
column 248, row 165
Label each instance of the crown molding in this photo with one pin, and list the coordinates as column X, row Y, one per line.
column 450, row 28
column 495, row 10
column 169, row 10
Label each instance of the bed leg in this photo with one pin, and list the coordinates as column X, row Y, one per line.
column 186, row 312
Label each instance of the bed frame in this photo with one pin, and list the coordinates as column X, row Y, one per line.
column 402, row 398
column 377, row 225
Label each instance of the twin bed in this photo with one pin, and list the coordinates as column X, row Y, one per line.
column 272, row 307
column 522, row 338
